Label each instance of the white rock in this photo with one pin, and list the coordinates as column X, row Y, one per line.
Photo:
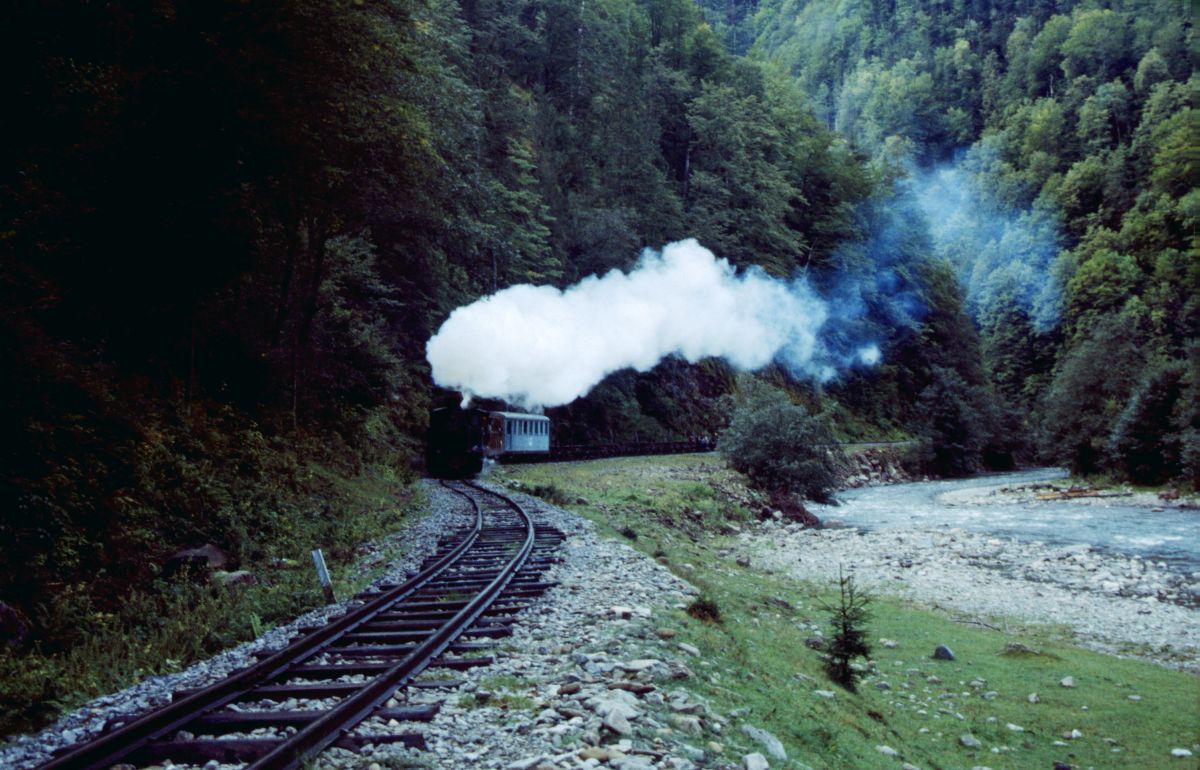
column 1068, row 681
column 824, row 693
column 755, row 761
column 689, row 649
column 1180, row 753
column 768, row 741
column 970, row 741
column 887, row 751
column 617, row 722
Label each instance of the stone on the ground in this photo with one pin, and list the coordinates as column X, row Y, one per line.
column 887, row 751
column 1181, row 753
column 970, row 741
column 1033, row 698
column 687, row 724
column 824, row 693
column 1068, row 681
column 195, row 561
column 238, row 579
column 769, row 742
column 755, row 761
column 942, row 652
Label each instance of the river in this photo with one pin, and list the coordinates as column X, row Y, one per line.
column 1109, row 525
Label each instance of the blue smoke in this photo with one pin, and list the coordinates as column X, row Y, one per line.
column 1002, row 254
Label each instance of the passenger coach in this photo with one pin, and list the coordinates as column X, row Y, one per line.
column 460, row 439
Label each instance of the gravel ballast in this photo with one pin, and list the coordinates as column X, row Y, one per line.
column 585, row 666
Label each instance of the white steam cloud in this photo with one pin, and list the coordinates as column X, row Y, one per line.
column 538, row 346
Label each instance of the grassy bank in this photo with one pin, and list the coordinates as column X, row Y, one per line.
column 681, row 510
column 92, row 646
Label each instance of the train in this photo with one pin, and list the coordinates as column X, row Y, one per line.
column 461, row 440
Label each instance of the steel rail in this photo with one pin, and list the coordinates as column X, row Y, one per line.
column 111, row 748
column 328, row 729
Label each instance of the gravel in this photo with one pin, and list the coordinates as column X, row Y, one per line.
column 587, row 665
column 418, row 539
column 1115, row 604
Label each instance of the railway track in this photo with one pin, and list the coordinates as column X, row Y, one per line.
column 572, row 452
column 341, row 684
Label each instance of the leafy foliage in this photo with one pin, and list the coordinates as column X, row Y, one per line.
column 778, row 444
column 1078, row 115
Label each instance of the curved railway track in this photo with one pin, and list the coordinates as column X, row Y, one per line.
column 315, row 692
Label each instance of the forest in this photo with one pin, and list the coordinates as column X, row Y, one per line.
column 229, row 229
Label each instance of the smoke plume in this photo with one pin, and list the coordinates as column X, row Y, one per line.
column 539, row 346
column 1003, row 254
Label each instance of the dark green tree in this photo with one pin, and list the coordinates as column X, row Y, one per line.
column 778, row 444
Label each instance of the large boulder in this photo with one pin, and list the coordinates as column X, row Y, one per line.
column 239, row 579
column 199, row 563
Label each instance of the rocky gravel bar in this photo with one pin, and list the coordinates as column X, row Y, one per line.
column 590, row 677
column 1116, row 604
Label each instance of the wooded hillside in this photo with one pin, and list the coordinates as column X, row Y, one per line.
column 229, row 229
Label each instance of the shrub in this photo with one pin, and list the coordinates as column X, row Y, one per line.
column 705, row 609
column 550, row 493
column 779, row 445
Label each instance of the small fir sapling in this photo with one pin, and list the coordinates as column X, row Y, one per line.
column 849, row 641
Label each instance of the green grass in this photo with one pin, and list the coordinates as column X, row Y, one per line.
column 163, row 627
column 756, row 658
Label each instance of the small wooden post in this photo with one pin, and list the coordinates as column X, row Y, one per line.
column 323, row 576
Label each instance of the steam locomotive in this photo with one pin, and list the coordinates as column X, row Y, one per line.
column 461, row 439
